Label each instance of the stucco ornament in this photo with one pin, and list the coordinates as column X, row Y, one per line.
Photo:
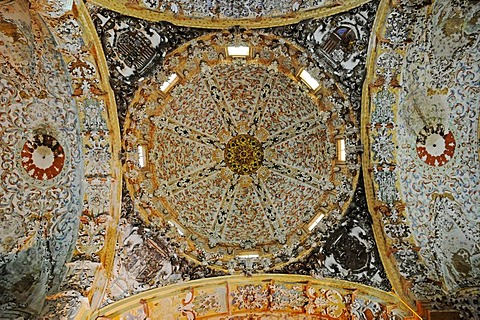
column 241, row 154
column 51, row 8
column 424, row 113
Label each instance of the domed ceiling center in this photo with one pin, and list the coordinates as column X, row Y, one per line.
column 243, row 154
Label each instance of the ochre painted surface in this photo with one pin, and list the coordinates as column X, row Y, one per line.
column 260, row 297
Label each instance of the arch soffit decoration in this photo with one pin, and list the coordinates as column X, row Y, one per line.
column 397, row 156
column 262, row 295
column 205, row 17
column 89, row 269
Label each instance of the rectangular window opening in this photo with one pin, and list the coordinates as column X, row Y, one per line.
column 238, row 52
column 176, row 226
column 142, row 156
column 248, row 255
column 315, row 222
column 167, row 85
column 341, row 156
column 309, row 80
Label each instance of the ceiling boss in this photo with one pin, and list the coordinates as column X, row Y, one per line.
column 243, row 154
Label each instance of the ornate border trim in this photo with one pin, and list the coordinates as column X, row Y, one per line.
column 108, row 251
column 345, row 287
column 389, row 263
column 127, row 8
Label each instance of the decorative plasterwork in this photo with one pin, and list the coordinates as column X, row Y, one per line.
column 90, row 235
column 133, row 49
column 346, row 60
column 151, row 256
column 422, row 91
column 339, row 43
column 346, row 250
column 43, row 157
column 51, row 8
column 39, row 206
column 260, row 297
column 222, row 14
column 226, row 215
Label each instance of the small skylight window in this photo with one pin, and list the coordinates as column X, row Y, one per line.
column 341, row 150
column 179, row 230
column 167, row 85
column 315, row 222
column 309, row 80
column 142, row 156
column 238, row 52
column 248, row 256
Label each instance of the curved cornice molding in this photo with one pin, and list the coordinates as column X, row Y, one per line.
column 130, row 8
column 265, row 294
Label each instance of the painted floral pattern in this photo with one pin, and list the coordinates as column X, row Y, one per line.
column 240, row 154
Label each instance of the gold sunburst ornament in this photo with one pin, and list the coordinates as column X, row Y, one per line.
column 244, row 154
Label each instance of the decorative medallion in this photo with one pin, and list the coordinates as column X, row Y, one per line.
column 243, row 154
column 435, row 145
column 43, row 157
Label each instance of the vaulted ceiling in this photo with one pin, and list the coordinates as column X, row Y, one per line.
column 141, row 156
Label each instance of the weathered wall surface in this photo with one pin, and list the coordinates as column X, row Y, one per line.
column 41, row 162
column 422, row 147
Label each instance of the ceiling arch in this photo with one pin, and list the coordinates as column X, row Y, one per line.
column 222, row 14
column 421, row 147
column 260, row 297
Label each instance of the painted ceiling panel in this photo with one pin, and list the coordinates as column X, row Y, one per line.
column 423, row 137
column 41, row 162
column 242, row 168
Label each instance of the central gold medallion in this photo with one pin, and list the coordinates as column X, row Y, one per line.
column 244, row 154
